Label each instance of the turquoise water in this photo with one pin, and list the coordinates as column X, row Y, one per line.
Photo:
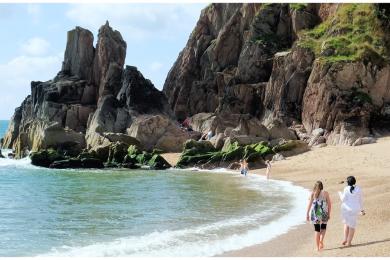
column 3, row 127
column 138, row 212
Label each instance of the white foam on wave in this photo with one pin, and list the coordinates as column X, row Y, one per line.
column 13, row 163
column 204, row 240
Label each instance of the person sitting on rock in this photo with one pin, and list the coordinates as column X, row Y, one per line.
column 209, row 135
column 185, row 125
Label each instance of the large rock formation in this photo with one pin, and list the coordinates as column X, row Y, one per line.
column 324, row 65
column 91, row 103
column 248, row 73
column 228, row 54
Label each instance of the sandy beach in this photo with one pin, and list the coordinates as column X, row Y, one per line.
column 370, row 164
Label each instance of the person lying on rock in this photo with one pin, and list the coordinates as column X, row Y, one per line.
column 206, row 136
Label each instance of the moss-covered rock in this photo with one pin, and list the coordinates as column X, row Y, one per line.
column 133, row 151
column 199, row 146
column 157, row 162
column 231, row 152
column 144, row 157
column 45, row 158
column 262, row 148
column 88, row 155
column 117, row 152
column 291, row 147
column 187, row 160
column 112, row 165
column 66, row 164
column 91, row 163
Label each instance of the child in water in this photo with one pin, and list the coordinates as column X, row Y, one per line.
column 268, row 170
column 244, row 167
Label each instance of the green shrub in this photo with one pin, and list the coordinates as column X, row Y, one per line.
column 353, row 33
column 298, row 6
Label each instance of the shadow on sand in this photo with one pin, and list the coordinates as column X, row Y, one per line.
column 361, row 244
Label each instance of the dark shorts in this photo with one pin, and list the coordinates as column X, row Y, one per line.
column 319, row 227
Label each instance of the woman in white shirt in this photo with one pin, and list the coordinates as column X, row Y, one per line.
column 351, row 206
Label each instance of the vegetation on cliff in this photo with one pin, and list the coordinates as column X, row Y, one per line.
column 354, row 33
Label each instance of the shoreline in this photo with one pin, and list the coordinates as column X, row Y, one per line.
column 332, row 164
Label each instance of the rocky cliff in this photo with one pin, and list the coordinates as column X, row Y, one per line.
column 250, row 73
column 321, row 65
column 92, row 102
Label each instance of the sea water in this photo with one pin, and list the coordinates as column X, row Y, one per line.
column 3, row 127
column 139, row 212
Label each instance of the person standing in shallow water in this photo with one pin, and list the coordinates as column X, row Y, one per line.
column 318, row 212
column 268, row 170
column 244, row 167
column 351, row 206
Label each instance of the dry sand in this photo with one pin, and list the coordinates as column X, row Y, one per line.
column 370, row 164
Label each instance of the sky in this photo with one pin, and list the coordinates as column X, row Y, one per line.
column 33, row 40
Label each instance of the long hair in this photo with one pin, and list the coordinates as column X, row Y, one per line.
column 351, row 181
column 318, row 187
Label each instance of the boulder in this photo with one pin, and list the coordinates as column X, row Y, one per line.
column 108, row 118
column 1, row 155
column 117, row 152
column 218, row 141
column 278, row 129
column 157, row 162
column 252, row 128
column 203, row 154
column 317, row 132
column 56, row 137
column 203, row 122
column 243, row 140
column 71, row 163
column 278, row 157
column 45, row 158
column 102, row 152
column 160, row 132
column 364, row 140
column 119, row 137
column 316, row 140
column 91, row 163
column 291, row 147
column 199, row 146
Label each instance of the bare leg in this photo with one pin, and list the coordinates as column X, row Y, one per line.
column 322, row 236
column 267, row 173
column 350, row 236
column 317, row 238
column 346, row 232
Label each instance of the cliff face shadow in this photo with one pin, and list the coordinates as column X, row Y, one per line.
column 360, row 244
